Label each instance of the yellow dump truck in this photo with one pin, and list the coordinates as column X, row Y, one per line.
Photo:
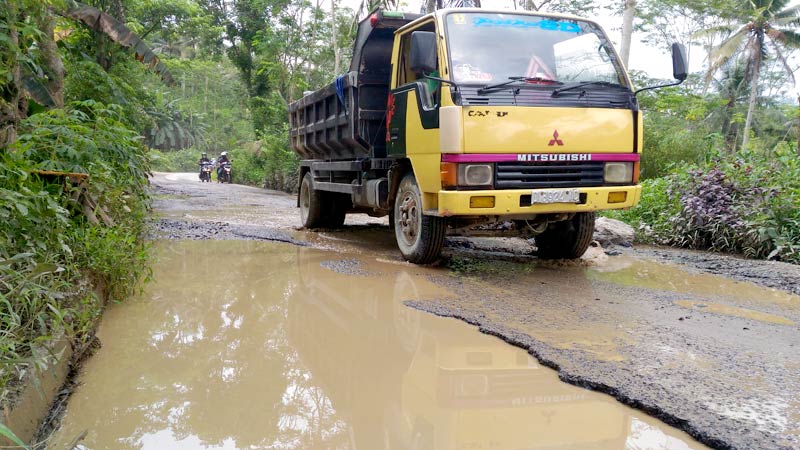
column 465, row 118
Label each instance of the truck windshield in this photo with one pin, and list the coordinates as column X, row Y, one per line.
column 489, row 48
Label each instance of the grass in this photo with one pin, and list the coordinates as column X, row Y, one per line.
column 51, row 257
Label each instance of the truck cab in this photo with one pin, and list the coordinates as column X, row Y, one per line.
column 519, row 118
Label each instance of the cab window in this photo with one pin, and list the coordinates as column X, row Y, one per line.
column 406, row 75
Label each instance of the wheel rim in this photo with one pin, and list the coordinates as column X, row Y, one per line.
column 409, row 218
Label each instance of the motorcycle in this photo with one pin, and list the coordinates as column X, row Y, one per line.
column 224, row 174
column 205, row 171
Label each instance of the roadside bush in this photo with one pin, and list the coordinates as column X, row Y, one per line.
column 268, row 163
column 86, row 80
column 50, row 255
column 746, row 203
column 281, row 163
column 677, row 129
column 176, row 161
column 667, row 147
column 651, row 218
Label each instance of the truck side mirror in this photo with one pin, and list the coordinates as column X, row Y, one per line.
column 679, row 68
column 679, row 63
column 423, row 52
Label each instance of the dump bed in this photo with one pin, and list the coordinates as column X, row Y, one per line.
column 347, row 119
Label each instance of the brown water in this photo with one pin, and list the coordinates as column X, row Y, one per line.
column 649, row 274
column 726, row 310
column 248, row 345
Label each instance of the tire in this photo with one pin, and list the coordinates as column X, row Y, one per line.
column 337, row 205
column 312, row 210
column 567, row 239
column 419, row 237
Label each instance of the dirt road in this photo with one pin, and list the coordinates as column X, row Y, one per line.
column 715, row 357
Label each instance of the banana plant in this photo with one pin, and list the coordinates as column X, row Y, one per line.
column 119, row 33
column 33, row 80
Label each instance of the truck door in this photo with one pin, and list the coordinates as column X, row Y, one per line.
column 413, row 105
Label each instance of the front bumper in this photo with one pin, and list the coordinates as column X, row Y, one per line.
column 507, row 202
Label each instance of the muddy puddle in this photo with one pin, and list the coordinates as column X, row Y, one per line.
column 642, row 273
column 257, row 345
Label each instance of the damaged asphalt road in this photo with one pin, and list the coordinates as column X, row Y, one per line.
column 667, row 331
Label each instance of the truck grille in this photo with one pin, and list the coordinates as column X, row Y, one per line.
column 538, row 175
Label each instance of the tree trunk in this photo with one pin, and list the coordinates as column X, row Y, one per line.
column 104, row 53
column 10, row 99
column 53, row 66
column 628, row 14
column 755, row 51
column 335, row 38
column 730, row 129
column 430, row 6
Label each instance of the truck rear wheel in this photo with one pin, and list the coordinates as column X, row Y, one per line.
column 337, row 205
column 567, row 239
column 419, row 237
column 312, row 210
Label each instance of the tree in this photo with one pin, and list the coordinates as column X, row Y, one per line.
column 109, row 29
column 578, row 7
column 628, row 14
column 769, row 28
column 29, row 61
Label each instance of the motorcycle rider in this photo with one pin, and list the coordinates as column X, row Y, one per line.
column 223, row 158
column 203, row 160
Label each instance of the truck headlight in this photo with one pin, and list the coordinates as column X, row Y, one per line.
column 618, row 172
column 475, row 174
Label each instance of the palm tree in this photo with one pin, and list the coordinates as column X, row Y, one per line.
column 769, row 27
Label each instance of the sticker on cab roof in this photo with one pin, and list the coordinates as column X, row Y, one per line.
column 544, row 24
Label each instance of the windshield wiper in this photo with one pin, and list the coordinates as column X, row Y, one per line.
column 558, row 91
column 511, row 80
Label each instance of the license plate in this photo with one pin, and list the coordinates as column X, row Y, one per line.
column 555, row 196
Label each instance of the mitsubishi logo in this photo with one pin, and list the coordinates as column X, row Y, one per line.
column 555, row 139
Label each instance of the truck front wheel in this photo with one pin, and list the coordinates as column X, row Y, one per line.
column 567, row 239
column 419, row 237
column 312, row 212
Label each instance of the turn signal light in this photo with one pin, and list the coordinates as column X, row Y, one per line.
column 484, row 201
column 449, row 173
column 617, row 197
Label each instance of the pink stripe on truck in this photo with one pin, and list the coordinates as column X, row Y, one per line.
column 539, row 157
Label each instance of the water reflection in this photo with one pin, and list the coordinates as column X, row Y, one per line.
column 242, row 345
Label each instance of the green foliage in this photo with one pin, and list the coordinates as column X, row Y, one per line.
column 47, row 248
column 176, row 161
column 111, row 28
column 747, row 203
column 174, row 130
column 211, row 92
column 86, row 80
column 651, row 218
column 6, row 432
column 87, row 137
column 277, row 164
column 267, row 163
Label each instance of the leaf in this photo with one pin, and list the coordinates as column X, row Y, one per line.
column 121, row 34
column 44, row 269
column 6, row 432
column 37, row 90
column 22, row 209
